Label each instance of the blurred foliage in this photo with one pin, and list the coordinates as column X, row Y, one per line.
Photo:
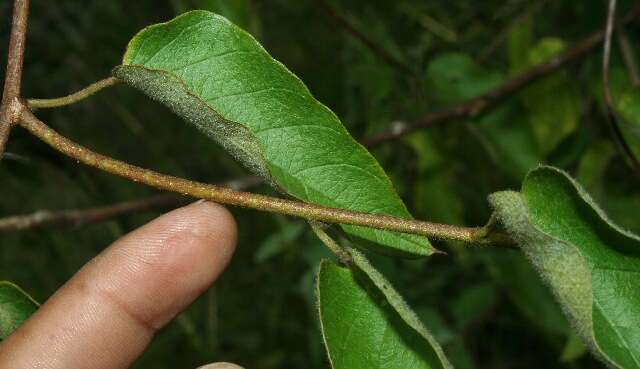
column 487, row 307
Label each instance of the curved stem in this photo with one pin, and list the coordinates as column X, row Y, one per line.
column 243, row 199
column 74, row 97
column 612, row 116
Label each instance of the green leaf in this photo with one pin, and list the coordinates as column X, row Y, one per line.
column 362, row 331
column 553, row 102
column 528, row 294
column 456, row 77
column 15, row 307
column 511, row 140
column 518, row 44
column 219, row 78
column 593, row 165
column 279, row 241
column 472, row 303
column 592, row 266
column 629, row 108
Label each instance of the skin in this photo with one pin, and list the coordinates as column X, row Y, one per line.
column 106, row 315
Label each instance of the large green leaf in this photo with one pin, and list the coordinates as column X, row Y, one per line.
column 362, row 330
column 592, row 266
column 15, row 307
column 219, row 78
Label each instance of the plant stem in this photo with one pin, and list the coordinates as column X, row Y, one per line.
column 612, row 117
column 74, row 97
column 331, row 244
column 73, row 218
column 9, row 109
column 629, row 57
column 79, row 217
column 473, row 107
column 243, row 199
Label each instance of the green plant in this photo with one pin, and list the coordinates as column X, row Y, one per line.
column 218, row 78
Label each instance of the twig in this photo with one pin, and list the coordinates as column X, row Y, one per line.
column 13, row 77
column 344, row 23
column 494, row 45
column 431, row 24
column 629, row 57
column 74, row 97
column 243, row 199
column 472, row 108
column 79, row 217
column 612, row 117
column 75, row 218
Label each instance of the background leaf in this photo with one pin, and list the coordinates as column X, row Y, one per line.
column 15, row 307
column 552, row 103
column 457, row 77
column 219, row 78
column 591, row 265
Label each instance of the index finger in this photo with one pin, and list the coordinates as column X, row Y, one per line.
column 105, row 316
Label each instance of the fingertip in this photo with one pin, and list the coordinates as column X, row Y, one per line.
column 206, row 214
column 107, row 313
column 171, row 260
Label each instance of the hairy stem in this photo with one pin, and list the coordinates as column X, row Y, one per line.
column 74, row 97
column 13, row 77
column 243, row 199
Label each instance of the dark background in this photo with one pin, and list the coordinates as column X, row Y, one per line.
column 486, row 306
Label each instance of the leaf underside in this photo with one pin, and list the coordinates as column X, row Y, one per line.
column 592, row 266
column 219, row 78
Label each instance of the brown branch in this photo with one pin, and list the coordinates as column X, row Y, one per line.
column 244, row 199
column 74, row 218
column 353, row 31
column 9, row 109
column 612, row 117
column 79, row 217
column 480, row 104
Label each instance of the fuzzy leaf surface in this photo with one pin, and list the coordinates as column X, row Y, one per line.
column 592, row 266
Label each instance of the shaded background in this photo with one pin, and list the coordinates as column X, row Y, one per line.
column 486, row 306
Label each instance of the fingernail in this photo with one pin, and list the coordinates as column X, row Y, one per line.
column 220, row 366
